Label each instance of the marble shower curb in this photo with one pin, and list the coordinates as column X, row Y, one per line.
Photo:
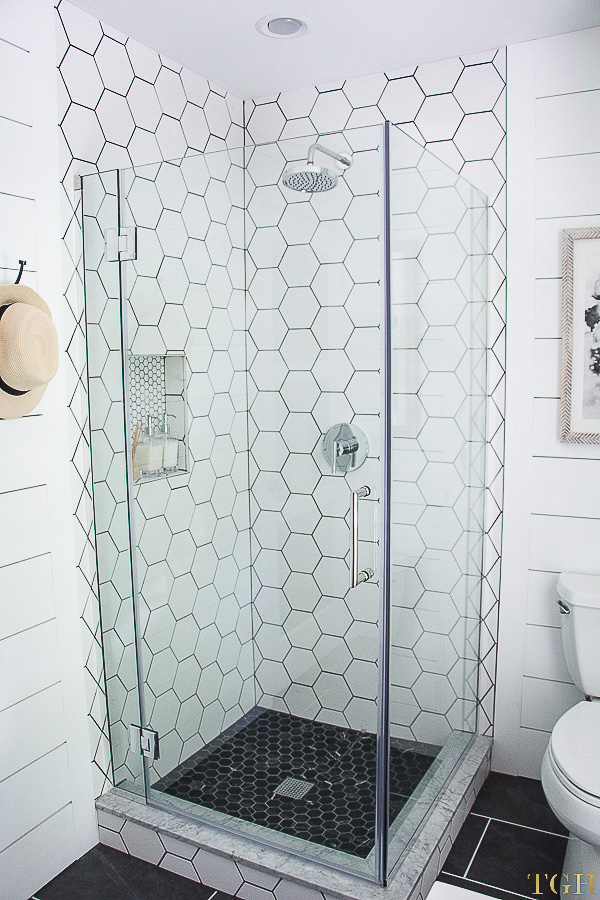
column 248, row 870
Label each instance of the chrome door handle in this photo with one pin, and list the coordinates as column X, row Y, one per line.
column 357, row 577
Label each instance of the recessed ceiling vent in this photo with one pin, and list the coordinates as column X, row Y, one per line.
column 282, row 26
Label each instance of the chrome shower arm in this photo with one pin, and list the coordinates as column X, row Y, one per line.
column 342, row 158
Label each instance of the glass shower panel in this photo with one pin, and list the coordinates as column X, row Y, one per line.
column 438, row 292
column 183, row 299
column 108, row 449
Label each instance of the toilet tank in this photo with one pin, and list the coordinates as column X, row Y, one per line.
column 579, row 601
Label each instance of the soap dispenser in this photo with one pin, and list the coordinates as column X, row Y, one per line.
column 170, row 446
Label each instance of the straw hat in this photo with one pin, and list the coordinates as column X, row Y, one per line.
column 28, row 350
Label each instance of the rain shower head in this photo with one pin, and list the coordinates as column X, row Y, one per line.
column 311, row 178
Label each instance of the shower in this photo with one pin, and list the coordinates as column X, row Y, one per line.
column 290, row 588
column 311, row 178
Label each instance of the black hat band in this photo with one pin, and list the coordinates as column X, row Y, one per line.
column 3, row 385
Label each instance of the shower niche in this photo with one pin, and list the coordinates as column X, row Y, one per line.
column 157, row 415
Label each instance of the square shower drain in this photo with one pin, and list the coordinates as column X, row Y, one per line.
column 296, row 788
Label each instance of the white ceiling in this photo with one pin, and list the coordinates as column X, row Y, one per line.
column 348, row 37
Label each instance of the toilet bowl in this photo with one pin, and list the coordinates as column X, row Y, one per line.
column 571, row 763
column 571, row 782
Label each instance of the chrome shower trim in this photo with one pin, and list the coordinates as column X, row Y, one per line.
column 129, row 482
column 382, row 781
column 342, row 158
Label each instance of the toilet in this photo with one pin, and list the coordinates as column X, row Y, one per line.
column 571, row 764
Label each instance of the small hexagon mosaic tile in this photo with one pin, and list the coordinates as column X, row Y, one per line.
column 306, row 779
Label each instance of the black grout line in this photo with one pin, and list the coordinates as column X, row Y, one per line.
column 478, row 845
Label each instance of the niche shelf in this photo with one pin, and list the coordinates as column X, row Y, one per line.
column 157, row 385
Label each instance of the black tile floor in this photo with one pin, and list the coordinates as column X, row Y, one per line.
column 107, row 874
column 510, row 836
column 240, row 772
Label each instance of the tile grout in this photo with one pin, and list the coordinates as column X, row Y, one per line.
column 479, row 854
column 518, row 825
column 483, row 833
column 492, row 886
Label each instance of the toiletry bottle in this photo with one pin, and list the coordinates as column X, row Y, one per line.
column 141, row 457
column 155, row 452
column 170, row 446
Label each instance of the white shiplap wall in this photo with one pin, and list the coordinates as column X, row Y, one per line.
column 46, row 800
column 552, row 515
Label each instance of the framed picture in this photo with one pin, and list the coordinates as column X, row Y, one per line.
column 580, row 364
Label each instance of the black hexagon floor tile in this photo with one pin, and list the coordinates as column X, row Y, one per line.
column 242, row 772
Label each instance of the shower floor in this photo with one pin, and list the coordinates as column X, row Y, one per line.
column 326, row 775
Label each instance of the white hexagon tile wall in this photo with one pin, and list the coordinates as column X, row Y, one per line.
column 314, row 314
column 311, row 367
column 125, row 104
column 457, row 109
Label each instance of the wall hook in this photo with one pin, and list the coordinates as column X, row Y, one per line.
column 22, row 264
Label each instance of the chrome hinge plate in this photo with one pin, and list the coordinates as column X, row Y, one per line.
column 144, row 741
column 121, row 244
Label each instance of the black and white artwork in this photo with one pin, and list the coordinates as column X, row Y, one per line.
column 591, row 347
column 580, row 381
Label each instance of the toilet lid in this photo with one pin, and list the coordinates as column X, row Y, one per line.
column 579, row 590
column 575, row 745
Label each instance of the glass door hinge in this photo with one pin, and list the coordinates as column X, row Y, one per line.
column 121, row 244
column 144, row 741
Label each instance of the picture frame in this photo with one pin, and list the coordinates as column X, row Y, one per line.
column 580, row 352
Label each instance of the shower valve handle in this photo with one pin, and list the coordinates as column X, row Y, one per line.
column 357, row 577
column 343, row 447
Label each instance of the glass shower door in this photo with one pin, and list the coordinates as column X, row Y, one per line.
column 315, row 349
column 184, row 365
